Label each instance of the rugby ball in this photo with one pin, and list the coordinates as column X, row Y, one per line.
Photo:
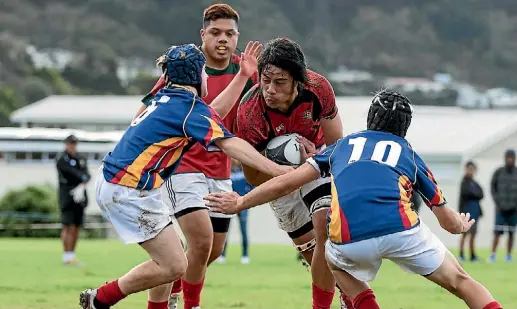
column 284, row 150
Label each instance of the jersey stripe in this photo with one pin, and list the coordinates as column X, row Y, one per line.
column 338, row 227
column 437, row 199
column 408, row 216
column 147, row 158
column 215, row 131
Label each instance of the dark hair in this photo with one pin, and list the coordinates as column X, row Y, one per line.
column 390, row 112
column 285, row 54
column 470, row 164
column 219, row 11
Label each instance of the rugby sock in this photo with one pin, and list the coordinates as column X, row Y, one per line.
column 366, row 300
column 191, row 293
column 348, row 302
column 108, row 295
column 153, row 305
column 493, row 305
column 176, row 287
column 321, row 299
column 68, row 256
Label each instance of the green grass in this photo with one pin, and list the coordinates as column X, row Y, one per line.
column 32, row 277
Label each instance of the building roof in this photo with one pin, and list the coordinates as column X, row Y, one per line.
column 51, row 134
column 437, row 130
column 65, row 109
column 51, row 140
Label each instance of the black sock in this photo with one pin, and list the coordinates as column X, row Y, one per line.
column 99, row 305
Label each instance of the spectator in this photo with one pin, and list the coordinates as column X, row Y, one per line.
column 504, row 193
column 471, row 194
column 73, row 176
column 241, row 186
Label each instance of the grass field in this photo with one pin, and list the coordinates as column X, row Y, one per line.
column 32, row 277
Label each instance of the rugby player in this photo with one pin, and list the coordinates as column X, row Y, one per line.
column 289, row 98
column 128, row 184
column 201, row 172
column 374, row 173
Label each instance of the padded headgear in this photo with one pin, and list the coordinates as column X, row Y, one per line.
column 390, row 112
column 184, row 65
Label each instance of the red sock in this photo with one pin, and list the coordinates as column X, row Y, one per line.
column 110, row 293
column 321, row 299
column 366, row 300
column 348, row 302
column 176, row 287
column 162, row 305
column 493, row 305
column 191, row 293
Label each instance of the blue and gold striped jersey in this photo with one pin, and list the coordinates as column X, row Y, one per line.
column 153, row 145
column 374, row 175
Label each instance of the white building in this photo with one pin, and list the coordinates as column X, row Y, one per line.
column 446, row 137
column 89, row 113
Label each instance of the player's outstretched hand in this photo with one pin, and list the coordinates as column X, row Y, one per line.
column 224, row 202
column 307, row 148
column 248, row 64
column 466, row 222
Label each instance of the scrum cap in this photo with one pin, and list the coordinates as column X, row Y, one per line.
column 183, row 65
column 390, row 112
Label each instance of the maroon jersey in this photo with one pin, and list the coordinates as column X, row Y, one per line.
column 258, row 124
column 216, row 165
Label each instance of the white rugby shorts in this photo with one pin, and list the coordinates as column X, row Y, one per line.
column 416, row 250
column 183, row 191
column 136, row 215
column 294, row 210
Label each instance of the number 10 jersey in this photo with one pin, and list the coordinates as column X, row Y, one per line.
column 374, row 174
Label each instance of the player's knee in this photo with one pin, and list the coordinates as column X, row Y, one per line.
column 200, row 247
column 175, row 269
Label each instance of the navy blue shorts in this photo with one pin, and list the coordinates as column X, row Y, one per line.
column 505, row 221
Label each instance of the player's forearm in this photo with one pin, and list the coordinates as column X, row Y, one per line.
column 269, row 191
column 242, row 151
column 280, row 186
column 449, row 219
column 225, row 101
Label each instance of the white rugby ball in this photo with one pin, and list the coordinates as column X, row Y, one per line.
column 284, row 150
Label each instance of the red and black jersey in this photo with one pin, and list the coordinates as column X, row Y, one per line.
column 216, row 165
column 258, row 124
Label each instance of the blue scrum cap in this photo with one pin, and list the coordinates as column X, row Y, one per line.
column 184, row 65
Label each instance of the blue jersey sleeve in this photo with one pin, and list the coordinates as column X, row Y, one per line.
column 204, row 126
column 321, row 161
column 426, row 185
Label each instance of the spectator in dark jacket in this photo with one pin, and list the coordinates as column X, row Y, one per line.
column 471, row 194
column 73, row 176
column 504, row 193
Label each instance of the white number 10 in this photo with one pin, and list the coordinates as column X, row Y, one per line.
column 378, row 151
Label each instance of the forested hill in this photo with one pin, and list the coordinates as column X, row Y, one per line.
column 473, row 40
